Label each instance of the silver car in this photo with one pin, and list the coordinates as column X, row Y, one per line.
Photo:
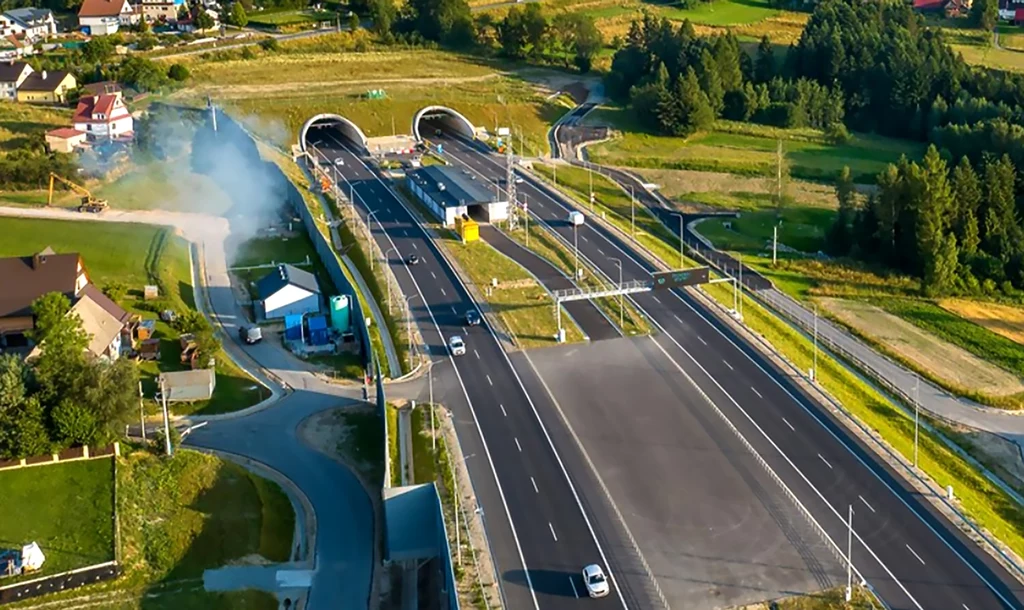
column 457, row 345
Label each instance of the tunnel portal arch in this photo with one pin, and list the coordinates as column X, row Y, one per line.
column 450, row 117
column 350, row 129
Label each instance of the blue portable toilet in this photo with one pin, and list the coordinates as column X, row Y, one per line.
column 318, row 332
column 293, row 327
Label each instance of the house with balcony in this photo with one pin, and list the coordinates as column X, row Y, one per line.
column 12, row 75
column 34, row 23
column 104, row 117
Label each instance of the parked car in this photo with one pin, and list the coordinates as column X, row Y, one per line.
column 456, row 345
column 472, row 317
column 597, row 583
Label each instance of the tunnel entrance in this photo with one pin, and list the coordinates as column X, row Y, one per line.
column 332, row 131
column 429, row 120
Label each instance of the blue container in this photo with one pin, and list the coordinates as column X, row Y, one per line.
column 293, row 327
column 318, row 332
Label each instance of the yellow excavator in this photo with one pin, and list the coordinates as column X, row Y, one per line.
column 89, row 203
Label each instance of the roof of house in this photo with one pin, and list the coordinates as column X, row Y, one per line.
column 929, row 5
column 44, row 81
column 102, row 8
column 180, row 379
column 29, row 14
column 458, row 189
column 18, row 43
column 65, row 133
column 106, row 303
column 286, row 275
column 101, row 326
column 23, row 279
column 11, row 71
column 106, row 86
column 95, row 104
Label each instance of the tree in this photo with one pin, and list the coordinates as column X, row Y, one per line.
column 438, row 19
column 353, row 21
column 984, row 14
column 933, row 204
column 512, row 35
column 841, row 238
column 764, row 64
column 727, row 59
column 589, row 41
column 1000, row 228
column 23, row 430
column 382, row 15
column 687, row 110
column 237, row 16
column 711, row 82
column 14, row 376
column 179, row 73
column 73, row 424
column 536, row 27
column 98, row 50
column 111, row 393
column 203, row 21
column 967, row 195
column 59, row 334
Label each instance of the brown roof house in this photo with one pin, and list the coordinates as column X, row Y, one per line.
column 104, row 17
column 47, row 87
column 12, row 75
column 25, row 279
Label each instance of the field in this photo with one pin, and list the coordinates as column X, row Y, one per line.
column 748, row 149
column 802, row 229
column 166, row 186
column 289, row 17
column 926, row 349
column 66, row 508
column 1004, row 320
column 158, row 257
column 700, row 191
column 274, row 94
column 21, row 124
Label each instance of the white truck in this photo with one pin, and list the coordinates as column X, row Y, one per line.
column 576, row 218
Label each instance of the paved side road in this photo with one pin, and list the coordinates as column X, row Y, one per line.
column 344, row 550
column 896, row 377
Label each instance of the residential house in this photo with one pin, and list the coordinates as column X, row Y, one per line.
column 104, row 17
column 158, row 10
column 47, row 87
column 951, row 8
column 101, row 323
column 9, row 26
column 23, row 279
column 35, row 23
column 1011, row 10
column 188, row 25
column 104, row 117
column 12, row 75
column 65, row 139
column 188, row 386
column 285, row 291
column 101, row 87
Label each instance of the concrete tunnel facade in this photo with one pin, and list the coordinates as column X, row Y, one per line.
column 348, row 128
column 452, row 119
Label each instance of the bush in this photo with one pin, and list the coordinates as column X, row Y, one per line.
column 837, row 134
column 248, row 53
column 270, row 44
column 74, row 424
column 178, row 72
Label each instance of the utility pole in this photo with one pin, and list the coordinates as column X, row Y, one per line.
column 849, row 555
column 775, row 245
column 917, row 415
column 167, row 424
column 142, row 413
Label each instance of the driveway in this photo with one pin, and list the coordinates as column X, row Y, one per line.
column 343, row 560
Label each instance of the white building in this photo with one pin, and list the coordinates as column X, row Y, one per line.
column 35, row 23
column 104, row 17
column 287, row 291
column 104, row 117
column 450, row 194
column 12, row 75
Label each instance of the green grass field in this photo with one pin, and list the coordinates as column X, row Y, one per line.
column 424, row 470
column 24, row 123
column 749, row 149
column 722, row 12
column 289, row 17
column 67, row 508
column 143, row 254
column 802, row 228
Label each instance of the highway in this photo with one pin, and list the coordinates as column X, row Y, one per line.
column 539, row 534
column 909, row 553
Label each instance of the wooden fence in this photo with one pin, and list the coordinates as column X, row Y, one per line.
column 68, row 455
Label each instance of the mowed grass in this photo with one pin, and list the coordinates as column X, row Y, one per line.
column 943, row 359
column 722, row 12
column 21, row 124
column 136, row 255
column 699, row 191
column 67, row 508
column 525, row 308
column 289, row 17
column 801, row 228
column 1004, row 320
column 423, row 460
column 748, row 149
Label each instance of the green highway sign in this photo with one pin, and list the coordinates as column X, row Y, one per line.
column 682, row 277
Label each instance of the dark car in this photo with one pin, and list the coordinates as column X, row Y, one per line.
column 472, row 317
column 412, row 259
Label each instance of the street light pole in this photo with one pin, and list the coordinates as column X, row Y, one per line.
column 917, row 415
column 408, row 323
column 632, row 213
column 390, row 250
column 590, row 174
column 369, row 248
column 814, row 367
column 167, row 425
column 430, row 384
column 142, row 413
column 576, row 251
column 618, row 263
column 849, row 555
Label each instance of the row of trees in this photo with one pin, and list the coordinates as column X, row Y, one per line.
column 528, row 33
column 959, row 230
column 679, row 83
column 61, row 398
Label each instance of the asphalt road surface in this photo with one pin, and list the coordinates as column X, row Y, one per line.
column 903, row 547
column 539, row 533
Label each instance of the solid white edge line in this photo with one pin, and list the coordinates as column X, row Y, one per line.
column 465, row 392
column 558, row 457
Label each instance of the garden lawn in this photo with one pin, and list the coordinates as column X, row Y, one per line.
column 67, row 508
column 723, row 12
column 289, row 17
column 801, row 228
column 749, row 149
column 135, row 255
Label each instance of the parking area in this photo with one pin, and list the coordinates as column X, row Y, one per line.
column 714, row 527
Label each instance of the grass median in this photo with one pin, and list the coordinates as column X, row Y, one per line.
column 549, row 248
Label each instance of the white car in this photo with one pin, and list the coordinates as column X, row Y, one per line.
column 597, row 583
column 339, row 161
column 457, row 345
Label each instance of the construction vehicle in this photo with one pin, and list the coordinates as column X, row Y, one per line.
column 88, row 204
